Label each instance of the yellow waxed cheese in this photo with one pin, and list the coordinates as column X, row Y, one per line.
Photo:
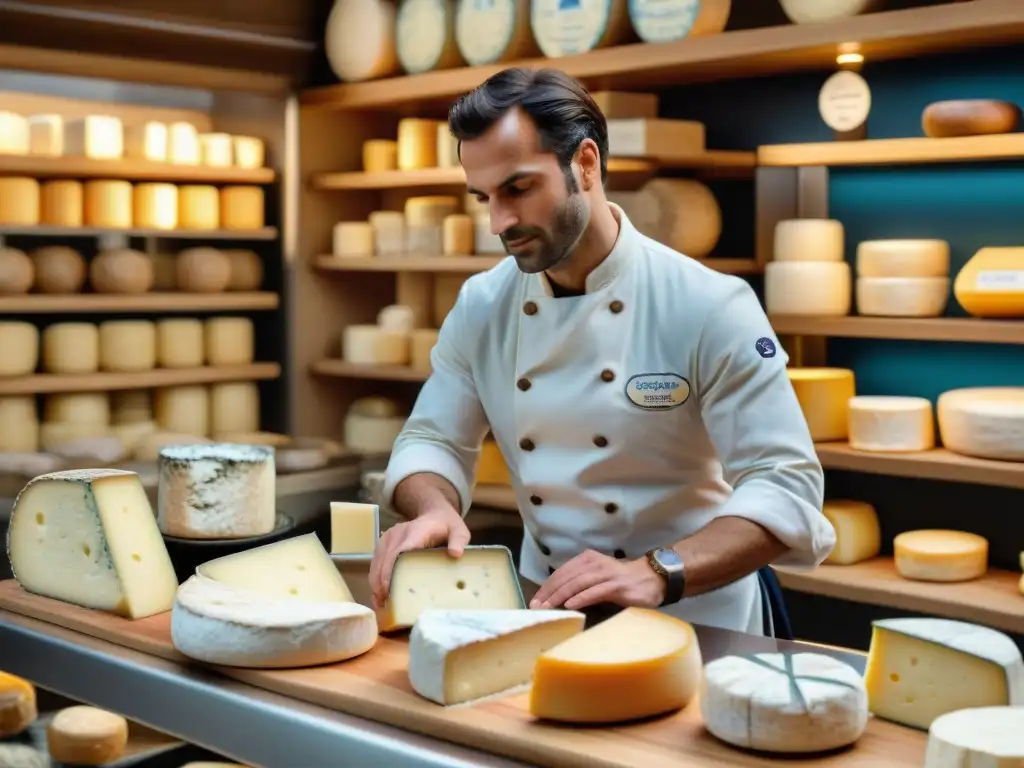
column 373, row 345
column 903, row 258
column 920, row 669
column 215, row 150
column 491, row 468
column 61, row 203
column 824, row 395
column 447, row 147
column 883, row 424
column 984, row 422
column 380, row 155
column 46, row 135
column 147, row 140
column 809, row 240
column 991, row 283
column 71, row 348
column 424, row 222
column 156, row 206
column 14, row 134
column 198, row 207
column 179, row 343
column 353, row 239
column 421, row 343
column 234, row 407
column 902, row 296
column 229, row 341
column 808, row 288
column 77, row 408
column 99, row 137
column 108, row 204
column 639, row 663
column 417, row 143
column 20, row 344
column 249, row 152
column 19, row 201
column 127, row 345
column 355, row 528
column 17, row 705
column 939, row 555
column 458, row 234
column 858, row 534
column 241, row 207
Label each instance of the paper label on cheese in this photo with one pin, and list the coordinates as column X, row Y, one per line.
column 565, row 27
column 1000, row 280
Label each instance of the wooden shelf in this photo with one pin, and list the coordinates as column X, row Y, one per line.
column 496, row 497
column 938, row 464
column 46, row 383
column 130, row 170
column 267, row 233
column 740, row 54
column 992, row 600
column 32, row 304
column 342, row 370
column 908, row 329
column 471, row 264
column 911, row 151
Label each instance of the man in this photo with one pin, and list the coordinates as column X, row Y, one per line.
column 658, row 453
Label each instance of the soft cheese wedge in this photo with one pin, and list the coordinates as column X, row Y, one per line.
column 89, row 537
column 460, row 656
column 483, row 577
column 639, row 663
column 921, row 669
column 981, row 737
column 780, row 702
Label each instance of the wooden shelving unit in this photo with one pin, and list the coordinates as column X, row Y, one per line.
column 47, row 383
column 255, row 235
column 950, row 329
column 909, row 151
column 472, row 264
column 166, row 302
column 129, row 170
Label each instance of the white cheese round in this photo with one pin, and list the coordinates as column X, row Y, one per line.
column 891, row 424
column 810, row 11
column 902, row 296
column 425, row 35
column 486, row 30
column 359, row 39
column 979, row 737
column 985, row 422
column 807, row 288
column 566, row 28
column 903, row 258
column 665, row 21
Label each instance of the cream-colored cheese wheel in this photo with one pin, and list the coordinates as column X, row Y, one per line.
column 458, row 234
column 249, row 152
column 229, row 341
column 811, row 11
column 380, row 155
column 809, row 240
column 371, row 434
column 421, row 343
column 19, row 424
column 131, row 405
column 564, row 29
column 246, row 270
column 19, row 348
column 77, row 408
column 352, row 239
column 417, row 143
column 165, row 271
column 149, row 447
column 19, row 201
column 58, row 269
column 429, row 210
column 656, row 21
column 359, row 39
column 131, row 435
column 884, row 424
column 680, row 213
column 121, row 270
column 98, row 137
column 17, row 272
column 488, row 33
column 183, row 144
column 198, row 207
column 397, row 317
column 108, row 204
column 241, row 208
column 14, row 134
column 234, row 407
column 45, row 135
column 184, row 409
column 984, row 422
column 71, row 348
column 215, row 150
column 203, row 270
column 447, row 148
column 127, row 345
column 940, row 555
column 146, row 140
column 373, row 345
column 903, row 258
column 86, row 736
column 858, row 533
column 807, row 288
column 62, row 203
column 79, row 440
column 156, row 206
column 902, row 296
column 824, row 395
column 388, row 233
column 969, row 117
column 425, row 36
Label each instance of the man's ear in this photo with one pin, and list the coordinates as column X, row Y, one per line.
column 589, row 159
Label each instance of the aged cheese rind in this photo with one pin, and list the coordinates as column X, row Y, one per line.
column 86, row 736
column 464, row 655
column 18, row 707
column 858, row 533
column 883, row 424
column 978, row 737
column 359, row 39
column 940, row 555
column 984, row 422
column 903, row 258
column 807, row 288
column 809, row 240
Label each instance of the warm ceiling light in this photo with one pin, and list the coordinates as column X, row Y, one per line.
column 849, row 58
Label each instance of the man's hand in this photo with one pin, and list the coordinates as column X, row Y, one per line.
column 591, row 578
column 430, row 529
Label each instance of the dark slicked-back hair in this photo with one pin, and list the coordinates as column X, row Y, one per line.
column 560, row 107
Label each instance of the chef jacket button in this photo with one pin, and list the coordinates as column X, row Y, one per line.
column 616, row 306
column 619, row 554
column 536, row 500
column 530, row 308
column 607, row 375
column 527, row 444
column 611, row 508
column 545, row 550
column 600, row 441
column 524, row 384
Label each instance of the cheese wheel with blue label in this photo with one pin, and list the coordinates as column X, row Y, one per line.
column 492, row 31
column 665, row 21
column 425, row 36
column 566, row 27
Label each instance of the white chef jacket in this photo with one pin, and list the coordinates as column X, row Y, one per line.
column 629, row 417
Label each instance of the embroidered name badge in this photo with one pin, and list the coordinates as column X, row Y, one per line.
column 657, row 390
column 765, row 347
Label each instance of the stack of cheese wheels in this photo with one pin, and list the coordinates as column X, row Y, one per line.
column 385, row 343
column 984, row 422
column 811, row 11
column 902, row 278
column 885, row 424
column 808, row 275
column 824, row 395
column 940, row 555
column 990, row 285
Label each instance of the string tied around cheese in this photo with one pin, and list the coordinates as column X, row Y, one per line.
column 793, row 677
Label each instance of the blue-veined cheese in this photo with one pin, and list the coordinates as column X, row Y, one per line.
column 425, row 35
column 565, row 27
column 664, row 21
column 489, row 31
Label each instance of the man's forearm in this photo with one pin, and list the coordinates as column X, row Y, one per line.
column 724, row 551
column 423, row 492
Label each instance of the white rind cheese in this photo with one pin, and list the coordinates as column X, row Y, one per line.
column 665, row 21
column 809, row 240
column 564, row 29
column 220, row 624
column 425, row 35
column 984, row 422
column 903, row 258
column 979, row 737
column 776, row 702
column 883, row 424
column 461, row 656
column 216, row 491
column 808, row 288
column 813, row 11
column 902, row 296
column 494, row 31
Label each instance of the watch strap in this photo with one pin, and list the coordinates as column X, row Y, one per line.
column 674, row 576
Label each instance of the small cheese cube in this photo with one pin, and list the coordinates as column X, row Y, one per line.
column 355, row 528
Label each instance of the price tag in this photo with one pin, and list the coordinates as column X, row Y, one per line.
column 845, row 101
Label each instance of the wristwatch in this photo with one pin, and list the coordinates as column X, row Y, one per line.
column 669, row 565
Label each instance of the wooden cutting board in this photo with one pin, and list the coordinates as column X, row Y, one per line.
column 376, row 686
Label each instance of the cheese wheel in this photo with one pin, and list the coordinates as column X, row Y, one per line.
column 807, row 288
column 564, row 29
column 241, row 208
column 108, row 204
column 457, row 235
column 77, row 408
column 229, row 341
column 127, row 345
column 20, row 344
column 352, row 239
column 881, row 424
column 183, row 144
column 902, row 296
column 680, row 213
column 991, row 283
column 371, row 435
column 61, row 203
column 656, row 21
column 71, row 348
column 19, row 201
column 429, row 210
column 46, row 135
column 388, row 233
column 184, row 409
column 397, row 317
column 812, row 11
column 425, row 36
column 156, row 206
column 19, row 424
column 824, row 395
column 903, row 258
column 86, row 736
column 234, row 407
column 489, row 33
column 131, row 435
column 938, row 555
column 14, row 134
column 417, row 143
column 372, row 345
column 58, row 269
column 249, row 152
column 984, row 422
column 246, row 270
column 380, row 155
column 421, row 344
column 128, row 406
column 858, row 533
column 375, row 407
column 969, row 117
column 978, row 737
column 147, row 140
column 203, row 270
column 198, row 207
column 179, row 343
column 809, row 240
column 121, row 271
column 17, row 272
column 17, row 706
column 447, row 147
column 98, row 137
column 215, row 150
column 359, row 39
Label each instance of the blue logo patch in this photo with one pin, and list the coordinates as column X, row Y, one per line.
column 765, row 347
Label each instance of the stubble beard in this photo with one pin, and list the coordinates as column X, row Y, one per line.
column 557, row 245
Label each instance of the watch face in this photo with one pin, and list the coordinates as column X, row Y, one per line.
column 667, row 558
